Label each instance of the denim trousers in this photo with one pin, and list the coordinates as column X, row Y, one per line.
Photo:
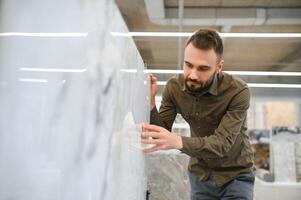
column 241, row 187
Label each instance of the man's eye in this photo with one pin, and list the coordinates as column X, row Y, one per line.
column 188, row 65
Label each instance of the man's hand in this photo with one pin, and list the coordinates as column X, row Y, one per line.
column 153, row 89
column 161, row 138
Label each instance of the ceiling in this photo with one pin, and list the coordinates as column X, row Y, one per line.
column 240, row 54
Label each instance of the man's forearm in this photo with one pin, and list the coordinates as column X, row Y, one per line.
column 153, row 103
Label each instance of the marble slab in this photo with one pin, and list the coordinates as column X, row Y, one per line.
column 72, row 96
column 285, row 156
column 284, row 163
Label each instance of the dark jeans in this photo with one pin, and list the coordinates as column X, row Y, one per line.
column 241, row 187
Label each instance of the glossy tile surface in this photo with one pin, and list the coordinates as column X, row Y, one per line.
column 69, row 107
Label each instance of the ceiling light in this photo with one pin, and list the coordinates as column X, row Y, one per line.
column 258, row 85
column 52, row 70
column 152, row 34
column 247, row 73
column 161, row 82
column 273, row 85
column 264, row 73
column 24, row 34
column 163, row 71
column 224, row 35
column 260, row 35
column 129, row 70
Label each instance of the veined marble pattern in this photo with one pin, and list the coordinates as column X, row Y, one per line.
column 284, row 163
column 168, row 175
column 70, row 113
column 285, row 156
column 298, row 160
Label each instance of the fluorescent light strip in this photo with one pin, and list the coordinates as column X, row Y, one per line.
column 163, row 71
column 161, row 82
column 258, row 85
column 273, row 85
column 129, row 70
column 152, row 34
column 264, row 73
column 52, row 70
column 224, row 35
column 33, row 80
column 248, row 73
column 260, row 35
column 24, row 34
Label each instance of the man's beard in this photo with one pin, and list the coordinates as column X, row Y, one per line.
column 202, row 88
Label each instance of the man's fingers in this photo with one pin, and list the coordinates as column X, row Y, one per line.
column 151, row 127
column 152, row 78
column 150, row 141
column 151, row 134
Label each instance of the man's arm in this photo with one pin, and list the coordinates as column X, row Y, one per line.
column 163, row 120
column 167, row 114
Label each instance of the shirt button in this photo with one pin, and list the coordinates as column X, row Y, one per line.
column 198, row 127
column 197, row 114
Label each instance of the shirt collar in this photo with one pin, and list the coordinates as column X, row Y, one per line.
column 213, row 88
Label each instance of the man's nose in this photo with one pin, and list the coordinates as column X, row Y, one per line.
column 193, row 75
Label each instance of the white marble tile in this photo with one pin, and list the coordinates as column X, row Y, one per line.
column 70, row 135
column 285, row 157
column 284, row 163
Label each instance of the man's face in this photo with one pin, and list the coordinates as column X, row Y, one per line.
column 200, row 67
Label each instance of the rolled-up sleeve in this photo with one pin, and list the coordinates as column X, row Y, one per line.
column 220, row 142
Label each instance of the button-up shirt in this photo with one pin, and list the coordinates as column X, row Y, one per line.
column 219, row 145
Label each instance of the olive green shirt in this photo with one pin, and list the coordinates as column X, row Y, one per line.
column 219, row 145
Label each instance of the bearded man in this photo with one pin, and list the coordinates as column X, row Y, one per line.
column 215, row 106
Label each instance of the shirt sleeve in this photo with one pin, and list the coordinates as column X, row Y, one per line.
column 167, row 113
column 220, row 142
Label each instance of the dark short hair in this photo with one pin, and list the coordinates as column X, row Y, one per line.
column 207, row 39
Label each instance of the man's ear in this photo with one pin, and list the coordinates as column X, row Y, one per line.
column 220, row 66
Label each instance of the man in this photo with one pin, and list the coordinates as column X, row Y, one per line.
column 215, row 106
